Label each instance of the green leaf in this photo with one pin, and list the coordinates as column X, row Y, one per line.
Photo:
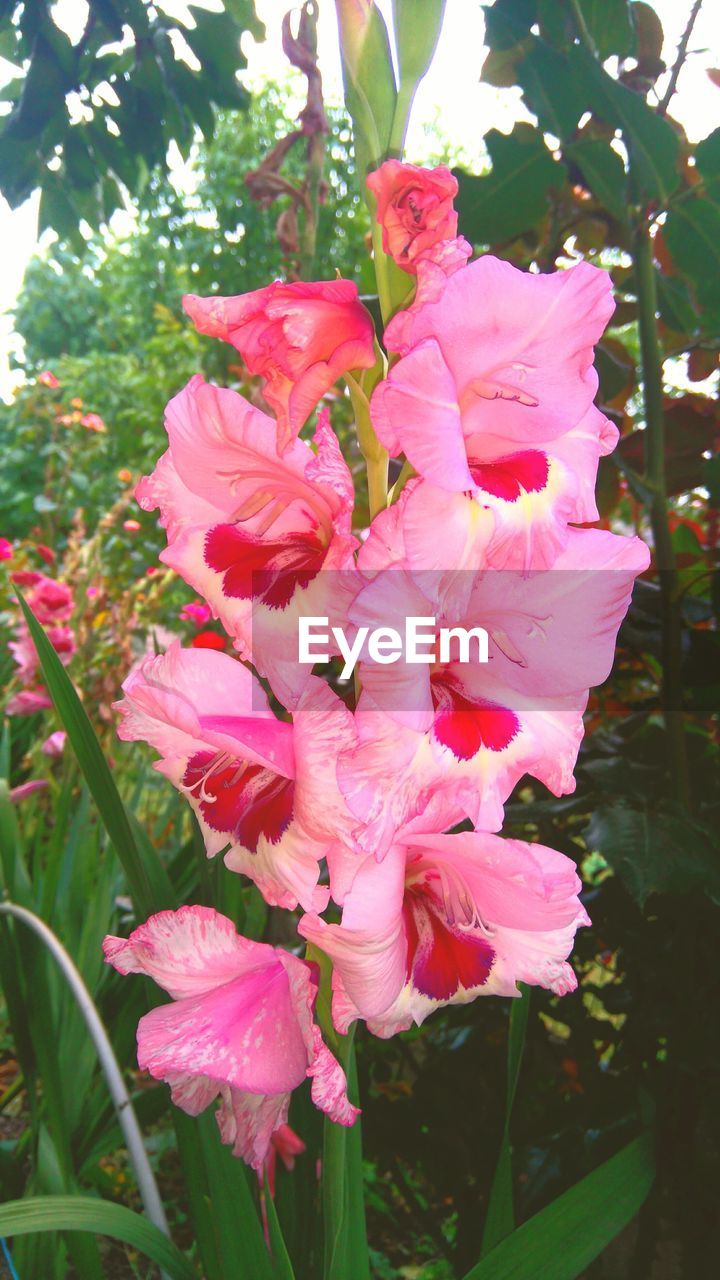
column 603, row 171
column 149, row 885
column 610, row 26
column 655, row 852
column 500, row 1218
column 85, row 1213
column 282, row 1266
column 675, row 304
column 652, row 142
column 692, row 235
column 550, row 91
column 346, row 1251
column 514, row 196
column 707, row 163
column 563, row 1239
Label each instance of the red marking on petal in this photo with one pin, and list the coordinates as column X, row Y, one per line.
column 508, row 477
column 256, row 569
column 243, row 800
column 442, row 958
column 466, row 726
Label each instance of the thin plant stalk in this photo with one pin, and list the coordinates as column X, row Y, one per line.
column 671, row 621
column 127, row 1119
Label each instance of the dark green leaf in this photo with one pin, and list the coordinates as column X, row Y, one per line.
column 651, row 140
column 610, row 26
column 654, row 852
column 514, row 195
column 692, row 235
column 550, row 91
column 603, row 171
column 559, row 1242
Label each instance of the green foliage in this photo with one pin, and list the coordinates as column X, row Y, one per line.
column 134, row 92
column 563, row 1239
column 109, row 322
column 514, row 195
column 80, row 1213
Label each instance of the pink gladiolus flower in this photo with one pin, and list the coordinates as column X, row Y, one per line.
column 475, row 728
column 447, row 918
column 248, row 530
column 492, row 402
column 240, row 1026
column 299, row 337
column 54, row 745
column 6, row 549
column 415, row 211
column 27, row 701
column 196, row 612
column 263, row 786
column 24, row 652
column 46, row 553
column 48, row 379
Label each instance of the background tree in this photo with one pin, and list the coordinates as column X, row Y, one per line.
column 87, row 121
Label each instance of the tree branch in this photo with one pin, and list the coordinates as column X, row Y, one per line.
column 680, row 59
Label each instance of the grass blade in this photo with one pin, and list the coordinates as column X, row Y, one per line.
column 500, row 1218
column 86, row 1213
column 149, row 884
column 563, row 1239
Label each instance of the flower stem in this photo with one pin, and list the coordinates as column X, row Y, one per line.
column 671, row 621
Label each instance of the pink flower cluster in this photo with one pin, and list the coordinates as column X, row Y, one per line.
column 489, row 397
column 53, row 604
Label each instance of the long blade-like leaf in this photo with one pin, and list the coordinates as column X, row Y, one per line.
column 149, row 885
column 563, row 1239
column 86, row 1213
column 500, row 1218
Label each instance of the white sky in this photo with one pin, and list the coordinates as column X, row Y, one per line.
column 451, row 96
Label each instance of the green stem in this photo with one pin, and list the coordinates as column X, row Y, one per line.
column 671, row 621
column 345, row 1240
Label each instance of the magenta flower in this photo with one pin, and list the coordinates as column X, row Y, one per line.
column 299, row 337
column 262, row 786
column 196, row 612
column 492, row 403
column 246, row 529
column 415, row 211
column 240, row 1026
column 6, row 549
column 48, row 379
column 51, row 601
column 444, row 919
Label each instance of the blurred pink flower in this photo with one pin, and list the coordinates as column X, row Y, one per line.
column 196, row 612
column 6, row 549
column 53, row 745
column 240, row 1026
column 27, row 701
column 48, row 379
column 131, row 526
column 27, row 789
column 93, row 422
